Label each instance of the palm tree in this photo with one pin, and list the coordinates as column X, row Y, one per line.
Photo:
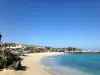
column 4, row 45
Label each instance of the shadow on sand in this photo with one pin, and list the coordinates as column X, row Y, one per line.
column 23, row 68
column 24, row 55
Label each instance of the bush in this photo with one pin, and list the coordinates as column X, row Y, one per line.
column 3, row 63
column 10, row 59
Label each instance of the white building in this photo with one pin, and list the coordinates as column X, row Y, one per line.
column 15, row 46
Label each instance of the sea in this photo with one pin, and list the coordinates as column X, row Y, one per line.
column 72, row 64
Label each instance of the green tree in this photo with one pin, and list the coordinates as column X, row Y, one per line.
column 69, row 49
column 74, row 49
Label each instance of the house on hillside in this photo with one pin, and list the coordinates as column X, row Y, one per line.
column 14, row 46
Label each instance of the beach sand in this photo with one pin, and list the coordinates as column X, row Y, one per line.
column 31, row 65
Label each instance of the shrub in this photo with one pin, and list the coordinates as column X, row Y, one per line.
column 3, row 63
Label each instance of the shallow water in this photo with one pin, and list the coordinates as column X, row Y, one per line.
column 73, row 64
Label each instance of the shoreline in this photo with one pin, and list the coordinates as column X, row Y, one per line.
column 82, row 52
column 32, row 65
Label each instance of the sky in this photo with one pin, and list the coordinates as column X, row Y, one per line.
column 56, row 23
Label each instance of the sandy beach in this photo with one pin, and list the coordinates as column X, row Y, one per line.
column 31, row 65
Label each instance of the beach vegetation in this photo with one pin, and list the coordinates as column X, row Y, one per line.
column 8, row 59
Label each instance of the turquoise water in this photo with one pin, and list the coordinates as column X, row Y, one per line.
column 73, row 64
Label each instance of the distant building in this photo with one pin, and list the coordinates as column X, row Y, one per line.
column 15, row 45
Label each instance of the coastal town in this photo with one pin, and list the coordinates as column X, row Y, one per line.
column 16, row 50
column 34, row 49
column 17, row 47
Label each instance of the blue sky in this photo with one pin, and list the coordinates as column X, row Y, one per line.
column 57, row 23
